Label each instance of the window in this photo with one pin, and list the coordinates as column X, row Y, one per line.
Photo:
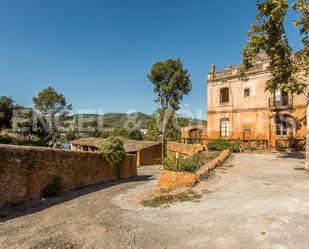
column 224, row 95
column 282, row 126
column 278, row 95
column 224, row 127
column 281, row 98
column 247, row 92
column 247, row 134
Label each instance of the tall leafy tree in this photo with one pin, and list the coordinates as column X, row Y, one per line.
column 171, row 82
column 6, row 112
column 54, row 108
column 268, row 35
column 172, row 130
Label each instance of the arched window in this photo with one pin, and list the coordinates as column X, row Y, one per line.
column 195, row 133
column 224, row 127
column 224, row 95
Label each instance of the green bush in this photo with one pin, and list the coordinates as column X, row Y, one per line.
column 280, row 146
column 169, row 162
column 250, row 148
column 191, row 163
column 54, row 188
column 222, row 144
column 187, row 164
column 112, row 149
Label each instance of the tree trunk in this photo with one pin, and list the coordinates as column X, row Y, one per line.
column 307, row 134
column 163, row 135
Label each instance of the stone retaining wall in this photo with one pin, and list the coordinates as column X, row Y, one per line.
column 25, row 171
column 185, row 149
column 170, row 180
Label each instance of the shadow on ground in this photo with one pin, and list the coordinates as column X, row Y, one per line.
column 294, row 155
column 37, row 205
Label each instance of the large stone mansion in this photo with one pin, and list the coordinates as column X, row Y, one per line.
column 243, row 109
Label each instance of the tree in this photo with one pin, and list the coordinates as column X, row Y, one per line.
column 171, row 82
column 172, row 129
column 54, row 108
column 6, row 112
column 268, row 34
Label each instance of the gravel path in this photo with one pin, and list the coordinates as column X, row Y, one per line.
column 254, row 201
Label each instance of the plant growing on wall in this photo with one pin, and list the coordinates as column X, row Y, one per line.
column 54, row 188
column 268, row 35
column 112, row 149
column 54, row 108
column 171, row 82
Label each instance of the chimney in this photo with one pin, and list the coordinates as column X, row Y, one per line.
column 212, row 68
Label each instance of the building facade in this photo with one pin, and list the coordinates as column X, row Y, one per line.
column 244, row 110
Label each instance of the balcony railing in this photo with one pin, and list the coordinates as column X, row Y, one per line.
column 282, row 103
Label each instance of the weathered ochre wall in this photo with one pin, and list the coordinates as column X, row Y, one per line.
column 185, row 149
column 150, row 156
column 251, row 112
column 25, row 171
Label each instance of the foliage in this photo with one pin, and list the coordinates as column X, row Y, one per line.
column 171, row 82
column 280, row 146
column 54, row 108
column 138, row 119
column 186, row 164
column 222, row 144
column 302, row 56
column 297, row 144
column 135, row 135
column 6, row 111
column 219, row 145
column 112, row 149
column 268, row 35
column 54, row 188
column 191, row 163
column 172, row 128
column 250, row 148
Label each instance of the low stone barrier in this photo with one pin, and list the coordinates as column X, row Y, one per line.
column 170, row 180
column 25, row 171
column 185, row 149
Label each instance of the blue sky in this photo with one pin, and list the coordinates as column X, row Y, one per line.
column 98, row 53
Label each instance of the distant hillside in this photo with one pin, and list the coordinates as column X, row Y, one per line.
column 119, row 119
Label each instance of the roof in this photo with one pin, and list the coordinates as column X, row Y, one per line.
column 129, row 145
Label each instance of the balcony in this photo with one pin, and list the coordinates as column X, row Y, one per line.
column 285, row 102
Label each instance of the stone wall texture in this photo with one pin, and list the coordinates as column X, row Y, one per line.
column 170, row 180
column 185, row 149
column 150, row 155
column 25, row 171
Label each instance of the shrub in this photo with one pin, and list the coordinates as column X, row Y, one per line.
column 187, row 164
column 191, row 163
column 280, row 146
column 222, row 144
column 54, row 188
column 236, row 146
column 219, row 145
column 169, row 162
column 112, row 149
column 250, row 148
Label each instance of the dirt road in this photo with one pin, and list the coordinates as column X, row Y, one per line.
column 256, row 201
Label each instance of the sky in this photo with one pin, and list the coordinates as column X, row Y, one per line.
column 98, row 52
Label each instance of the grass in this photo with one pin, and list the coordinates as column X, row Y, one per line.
column 209, row 175
column 160, row 200
column 209, row 156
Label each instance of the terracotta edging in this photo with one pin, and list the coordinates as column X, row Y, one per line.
column 170, row 180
